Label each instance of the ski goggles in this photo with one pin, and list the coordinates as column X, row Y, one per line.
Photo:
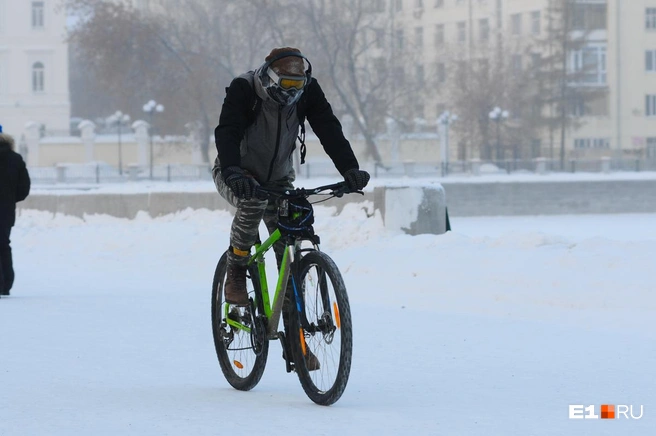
column 286, row 82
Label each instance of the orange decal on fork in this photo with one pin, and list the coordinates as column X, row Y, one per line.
column 302, row 338
column 336, row 309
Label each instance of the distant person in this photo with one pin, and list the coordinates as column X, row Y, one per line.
column 14, row 187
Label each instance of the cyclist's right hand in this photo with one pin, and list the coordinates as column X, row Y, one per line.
column 242, row 184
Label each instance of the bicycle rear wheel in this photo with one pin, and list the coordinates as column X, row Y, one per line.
column 242, row 354
column 322, row 355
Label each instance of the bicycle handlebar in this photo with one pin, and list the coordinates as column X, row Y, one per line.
column 336, row 190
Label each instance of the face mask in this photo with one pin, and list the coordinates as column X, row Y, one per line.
column 284, row 97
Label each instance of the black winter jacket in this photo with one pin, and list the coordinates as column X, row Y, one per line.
column 14, row 183
column 264, row 146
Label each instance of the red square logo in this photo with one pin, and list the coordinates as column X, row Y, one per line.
column 607, row 411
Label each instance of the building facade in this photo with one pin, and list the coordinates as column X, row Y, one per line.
column 618, row 59
column 34, row 84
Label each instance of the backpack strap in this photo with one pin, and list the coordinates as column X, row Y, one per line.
column 300, row 111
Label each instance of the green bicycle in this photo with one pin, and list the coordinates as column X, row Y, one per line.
column 317, row 340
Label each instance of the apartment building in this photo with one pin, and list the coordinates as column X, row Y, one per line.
column 618, row 59
column 33, row 66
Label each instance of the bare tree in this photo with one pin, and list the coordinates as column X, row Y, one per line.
column 185, row 60
column 475, row 84
column 351, row 43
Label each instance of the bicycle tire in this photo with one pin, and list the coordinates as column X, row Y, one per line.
column 318, row 384
column 252, row 364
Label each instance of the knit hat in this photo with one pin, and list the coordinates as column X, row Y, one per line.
column 290, row 65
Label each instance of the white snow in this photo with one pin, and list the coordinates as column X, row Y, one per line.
column 492, row 329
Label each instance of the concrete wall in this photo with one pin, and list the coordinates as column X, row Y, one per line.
column 551, row 198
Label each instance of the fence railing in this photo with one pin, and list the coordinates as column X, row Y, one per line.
column 103, row 173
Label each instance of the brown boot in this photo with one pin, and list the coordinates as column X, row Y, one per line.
column 235, row 285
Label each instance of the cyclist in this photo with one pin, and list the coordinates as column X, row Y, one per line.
column 255, row 138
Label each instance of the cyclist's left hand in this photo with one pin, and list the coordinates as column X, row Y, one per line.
column 356, row 179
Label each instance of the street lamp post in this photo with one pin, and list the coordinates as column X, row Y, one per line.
column 150, row 108
column 119, row 118
column 498, row 115
column 444, row 121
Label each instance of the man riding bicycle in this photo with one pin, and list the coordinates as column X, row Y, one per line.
column 256, row 136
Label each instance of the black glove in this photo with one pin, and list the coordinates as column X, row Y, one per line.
column 356, row 179
column 241, row 183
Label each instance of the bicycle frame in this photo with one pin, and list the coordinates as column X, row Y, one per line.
column 272, row 309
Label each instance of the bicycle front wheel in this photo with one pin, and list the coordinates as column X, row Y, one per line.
column 322, row 353
column 239, row 334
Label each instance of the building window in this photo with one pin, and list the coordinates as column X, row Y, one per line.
column 37, row 15
column 398, row 5
column 584, row 143
column 536, row 61
column 38, row 77
column 484, row 29
column 516, row 24
column 651, row 18
column 650, row 105
column 439, row 35
column 419, row 112
column 419, row 4
column 419, row 72
column 399, row 39
column 517, row 64
column 419, row 37
column 536, row 23
column 439, row 3
column 441, row 72
column 462, row 31
column 589, row 65
column 651, row 148
column 577, row 106
column 650, row 61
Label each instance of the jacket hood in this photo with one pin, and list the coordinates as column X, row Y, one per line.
column 259, row 89
column 6, row 143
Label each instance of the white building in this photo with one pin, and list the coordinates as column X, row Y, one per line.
column 33, row 66
column 620, row 58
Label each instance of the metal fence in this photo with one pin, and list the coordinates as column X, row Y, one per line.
column 102, row 173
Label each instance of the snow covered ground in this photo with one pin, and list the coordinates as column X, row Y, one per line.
column 492, row 329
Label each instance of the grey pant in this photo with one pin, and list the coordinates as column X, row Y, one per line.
column 245, row 225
